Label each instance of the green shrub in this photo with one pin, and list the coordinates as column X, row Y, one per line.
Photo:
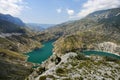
column 111, row 59
column 60, row 70
column 81, row 56
column 42, row 78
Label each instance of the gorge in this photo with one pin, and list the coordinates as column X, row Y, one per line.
column 88, row 48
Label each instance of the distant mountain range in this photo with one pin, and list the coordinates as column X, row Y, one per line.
column 38, row 27
column 10, row 24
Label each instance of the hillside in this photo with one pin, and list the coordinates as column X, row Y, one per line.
column 76, row 66
column 15, row 40
column 104, row 20
column 15, row 36
column 8, row 27
column 10, row 24
column 98, row 31
column 98, row 27
column 13, row 65
column 9, row 18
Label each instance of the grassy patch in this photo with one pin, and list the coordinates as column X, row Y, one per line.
column 42, row 78
column 61, row 72
column 12, row 54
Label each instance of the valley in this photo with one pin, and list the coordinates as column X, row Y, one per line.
column 88, row 48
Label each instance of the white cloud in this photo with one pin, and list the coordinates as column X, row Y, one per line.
column 70, row 12
column 95, row 5
column 59, row 10
column 13, row 7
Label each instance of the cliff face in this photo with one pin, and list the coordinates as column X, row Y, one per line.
column 108, row 47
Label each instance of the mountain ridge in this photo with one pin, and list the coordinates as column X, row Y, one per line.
column 9, row 18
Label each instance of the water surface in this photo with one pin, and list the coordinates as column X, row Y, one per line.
column 41, row 54
column 100, row 53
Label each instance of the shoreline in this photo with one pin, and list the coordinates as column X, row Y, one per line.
column 105, row 52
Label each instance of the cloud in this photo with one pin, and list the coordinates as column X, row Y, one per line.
column 59, row 10
column 95, row 5
column 13, row 7
column 70, row 12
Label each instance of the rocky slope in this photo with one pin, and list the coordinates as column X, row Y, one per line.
column 104, row 20
column 79, row 67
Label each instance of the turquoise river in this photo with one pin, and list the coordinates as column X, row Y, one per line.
column 41, row 54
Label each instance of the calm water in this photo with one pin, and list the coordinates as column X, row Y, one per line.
column 100, row 53
column 40, row 55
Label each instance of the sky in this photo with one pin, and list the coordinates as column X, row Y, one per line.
column 54, row 11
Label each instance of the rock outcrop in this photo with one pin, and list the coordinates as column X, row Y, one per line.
column 72, row 67
column 108, row 47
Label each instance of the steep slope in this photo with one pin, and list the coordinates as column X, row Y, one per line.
column 104, row 20
column 97, row 27
column 10, row 24
column 13, row 65
column 15, row 40
column 8, row 27
column 11, row 19
column 17, row 37
column 76, row 66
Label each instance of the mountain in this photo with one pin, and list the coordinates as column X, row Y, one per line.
column 98, row 18
column 38, row 27
column 97, row 27
column 98, row 31
column 104, row 14
column 15, row 40
column 9, row 18
column 8, row 27
column 10, row 24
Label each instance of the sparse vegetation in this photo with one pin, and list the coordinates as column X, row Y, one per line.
column 42, row 78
